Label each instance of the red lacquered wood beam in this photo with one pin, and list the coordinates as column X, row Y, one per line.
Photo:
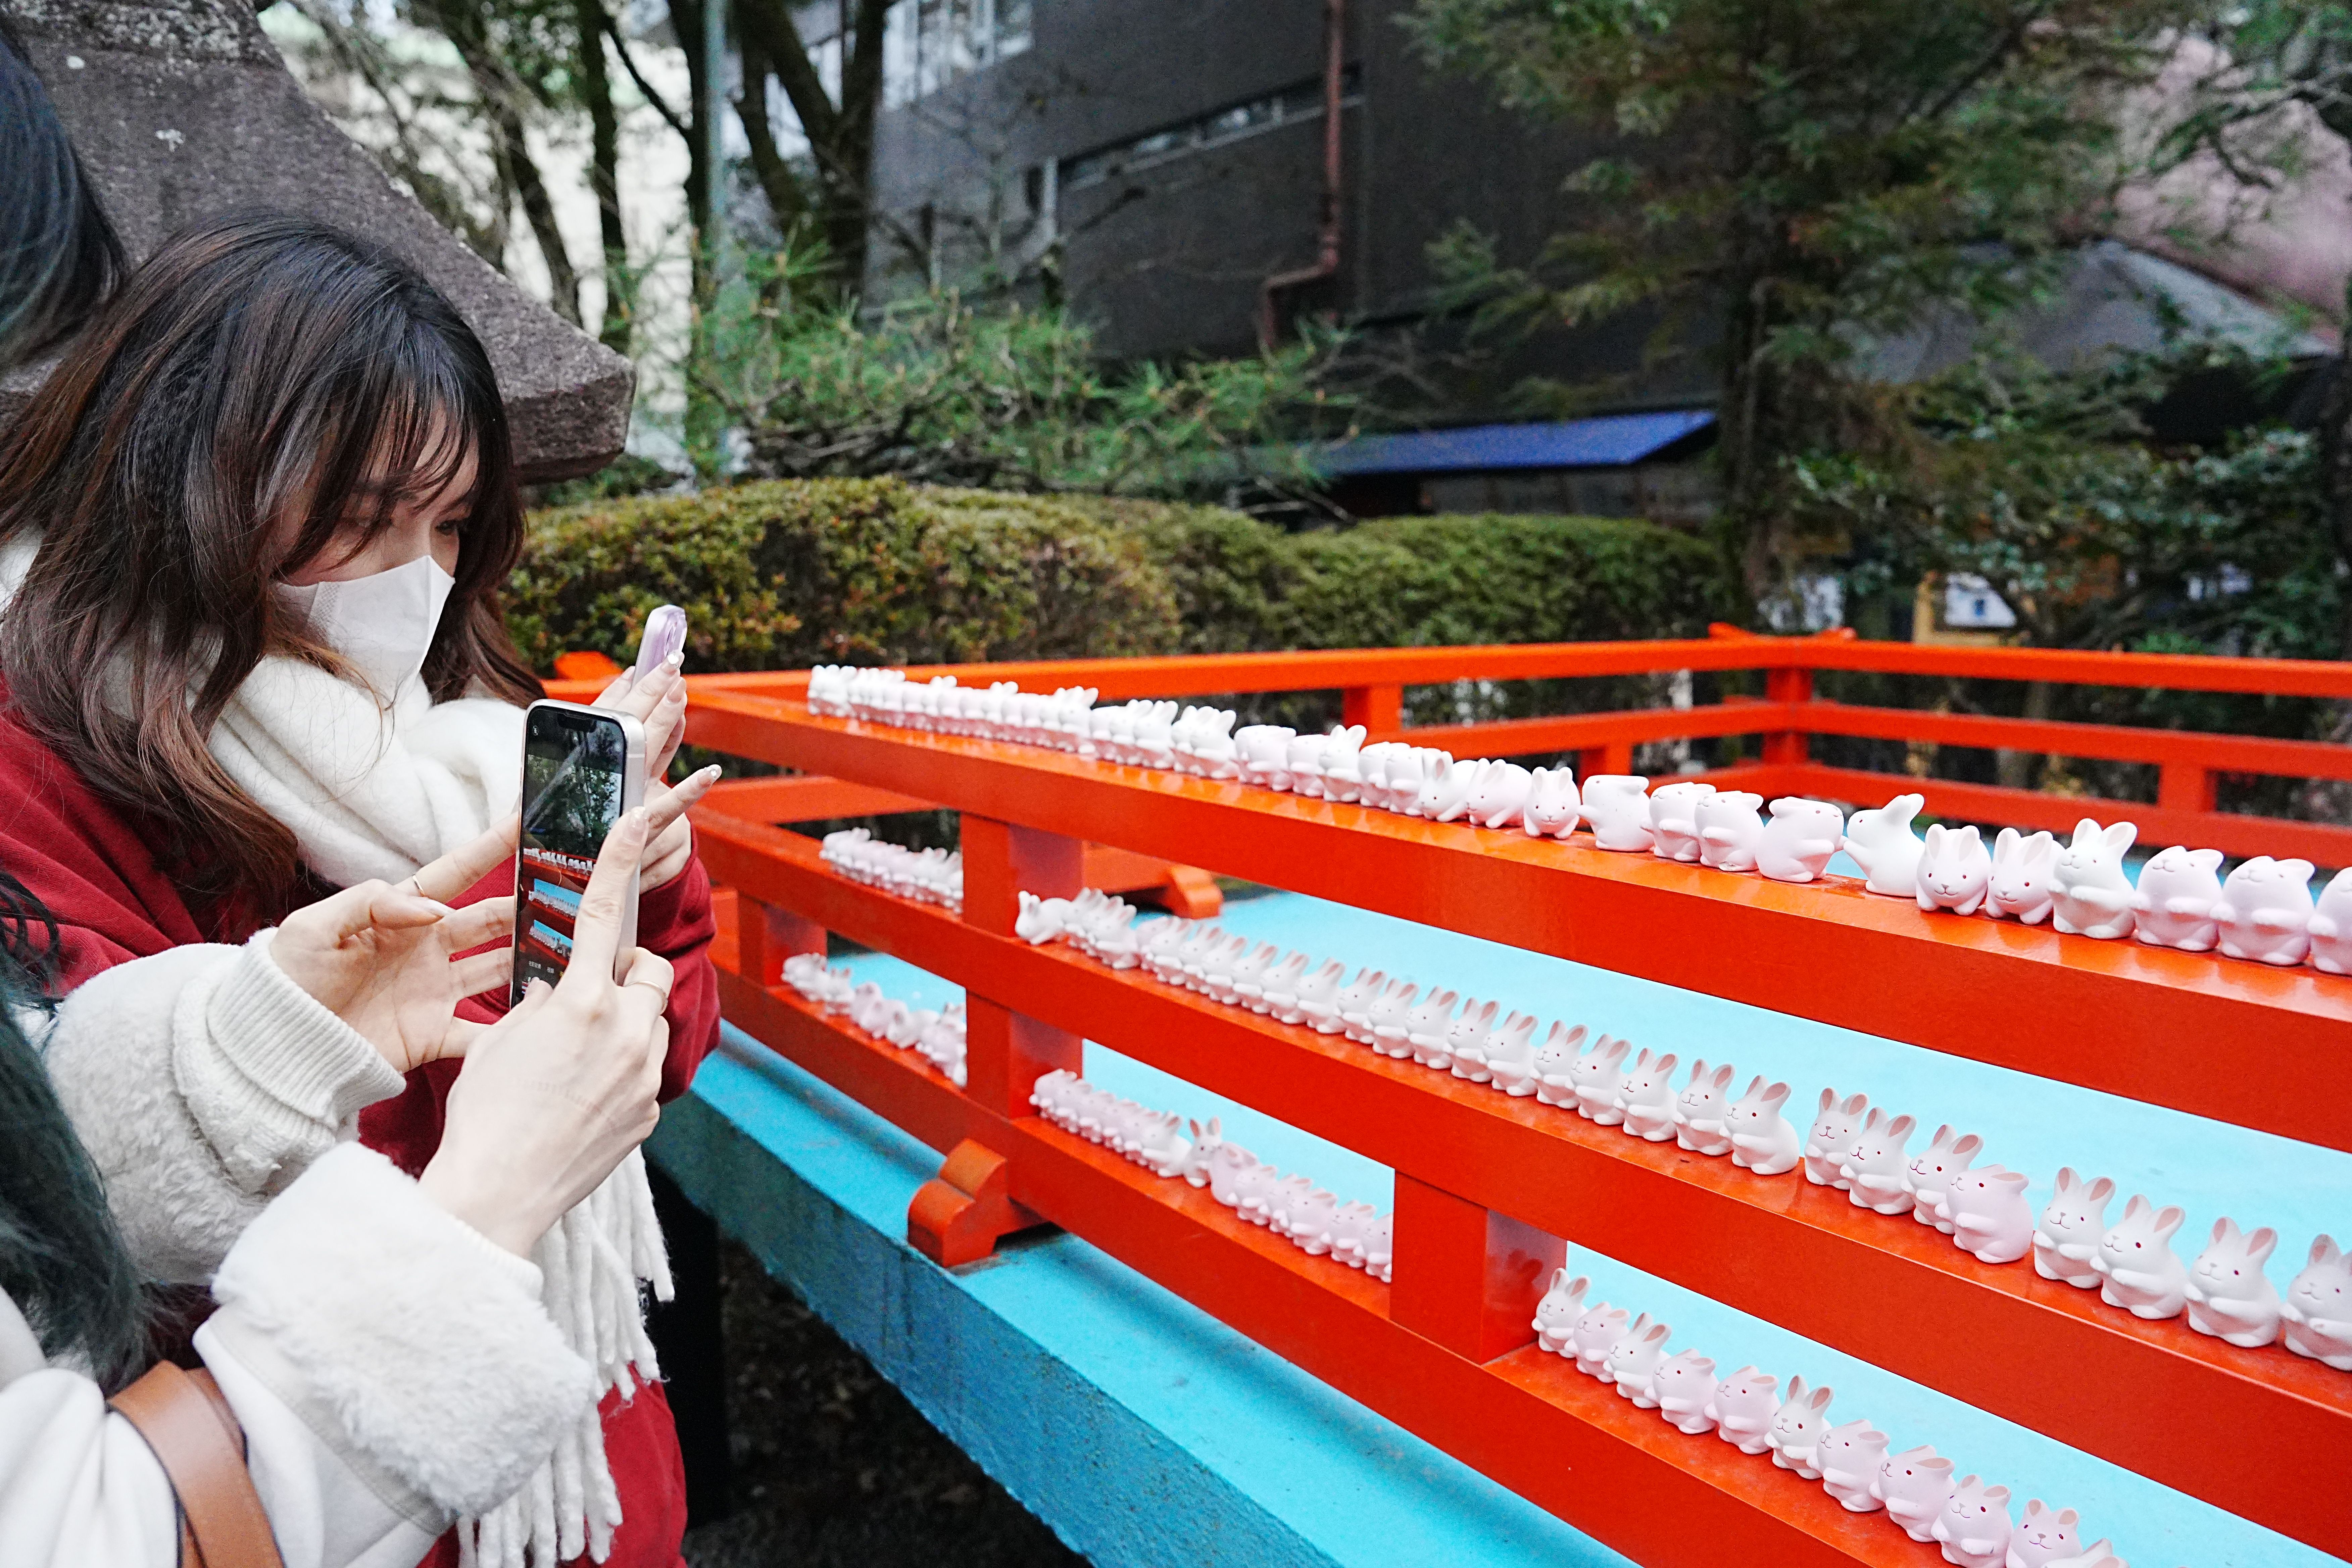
column 1575, row 731
column 802, row 798
column 2114, row 743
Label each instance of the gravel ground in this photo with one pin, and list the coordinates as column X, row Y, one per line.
column 832, row 1467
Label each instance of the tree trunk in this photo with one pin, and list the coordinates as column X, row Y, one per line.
column 786, row 202
column 605, row 175
column 685, row 22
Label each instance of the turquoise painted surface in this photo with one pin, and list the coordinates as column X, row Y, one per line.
column 2028, row 1123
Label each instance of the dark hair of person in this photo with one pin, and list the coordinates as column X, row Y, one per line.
column 264, row 387
column 62, row 1261
column 58, row 254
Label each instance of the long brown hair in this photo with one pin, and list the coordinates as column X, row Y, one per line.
column 256, row 369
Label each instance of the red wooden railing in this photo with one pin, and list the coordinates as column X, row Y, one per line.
column 1488, row 1187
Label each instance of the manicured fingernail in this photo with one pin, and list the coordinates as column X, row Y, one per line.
column 677, row 659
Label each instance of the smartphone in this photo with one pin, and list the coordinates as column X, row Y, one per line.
column 665, row 634
column 583, row 768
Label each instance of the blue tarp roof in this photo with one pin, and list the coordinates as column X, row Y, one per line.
column 1608, row 442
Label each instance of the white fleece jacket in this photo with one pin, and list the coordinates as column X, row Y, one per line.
column 369, row 1425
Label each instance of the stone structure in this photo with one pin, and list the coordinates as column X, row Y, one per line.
column 183, row 111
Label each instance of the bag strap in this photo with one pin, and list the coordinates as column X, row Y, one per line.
column 196, row 1437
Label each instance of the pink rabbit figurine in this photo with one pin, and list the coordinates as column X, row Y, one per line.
column 1800, row 840
column 2318, row 1311
column 1955, row 869
column 2229, row 1294
column 1345, row 1236
column 1553, row 807
column 1353, row 1005
column 2093, row 896
column 2139, row 1271
column 1426, row 1026
column 1974, row 1526
column 1914, row 1485
column 1877, row 1168
column 1729, row 830
column 1617, row 806
column 2045, row 1535
column 1510, row 1064
column 1645, row 1097
column 1391, row 1010
column 1634, row 1360
column 1946, row 1156
column 2025, row 877
column 2173, row 904
column 1499, row 794
column 2331, row 926
column 1761, row 1138
column 1674, row 819
column 2266, row 911
column 1682, row 1388
column 1797, row 1427
column 1884, row 846
column 2066, row 1242
column 1555, row 1065
column 1848, row 1458
column 1556, row 1314
column 1743, row 1408
column 1698, row 1113
column 1596, row 1076
column 1594, row 1333
column 1466, row 1043
column 1836, row 1124
column 1988, row 1214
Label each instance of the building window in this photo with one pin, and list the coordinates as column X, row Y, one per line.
column 1293, row 104
column 928, row 44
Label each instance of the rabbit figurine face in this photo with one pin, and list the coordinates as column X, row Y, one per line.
column 1674, row 819
column 2331, row 927
column 1848, row 1458
column 1730, row 831
column 2044, row 1536
column 1379, row 1258
column 1280, row 995
column 1511, row 1056
column 1555, row 1065
column 1699, row 1112
column 2025, row 877
column 1465, row 1046
column 1500, row 794
column 1877, row 1169
column 1617, row 806
column 1974, row 1526
column 2068, row 1239
column 1427, row 1024
column 1798, row 1424
column 2139, row 1271
column 1761, row 1138
column 1594, row 1333
column 1553, row 807
column 1955, row 868
column 1645, row 1097
column 1445, row 793
column 2266, row 911
column 1391, row 1010
column 2229, row 1294
column 1247, row 977
column 1884, row 846
column 1344, row 1236
column 1308, row 1222
column 1946, row 1154
column 2173, row 906
column 1836, row 1124
column 1166, row 1150
column 2317, row 1311
column 1914, row 1485
column 1682, row 1388
column 1227, row 1162
column 1556, row 1314
column 1317, row 999
column 2093, row 896
column 1596, row 1075
column 1799, row 839
column 1355, row 1001
column 1743, row 1406
column 1341, row 750
column 1634, row 1360
column 1988, row 1214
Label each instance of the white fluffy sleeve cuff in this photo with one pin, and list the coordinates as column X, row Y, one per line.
column 407, row 1340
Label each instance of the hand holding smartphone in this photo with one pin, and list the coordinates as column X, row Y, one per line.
column 583, row 768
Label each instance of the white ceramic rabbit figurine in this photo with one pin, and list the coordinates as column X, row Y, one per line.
column 1974, row 1526
column 2099, row 1554
column 2066, row 1242
column 2173, row 905
column 1555, row 1066
column 1682, row 1389
column 1247, row 977
column 1468, row 1035
column 1634, row 1360
column 1391, row 1010
column 1594, row 1333
column 1617, row 807
column 1445, row 794
column 1308, row 1221
column 1341, row 748
column 1946, row 1154
column 1848, row 1458
column 2229, row 1296
column 1167, row 1150
column 1596, row 1075
column 1380, row 1245
column 1743, row 1406
column 1553, row 807
column 1353, row 1005
column 1988, row 1213
column 2331, row 926
column 2045, row 1535
column 1264, row 751
column 1955, row 869
column 1914, row 1485
column 1426, row 1027
column 2317, row 1311
column 1227, row 1162
column 1304, row 761
column 1645, row 1097
column 1799, row 839
column 1836, row 1124
column 1761, row 1138
column 1345, row 1236
column 2093, row 896
column 1500, row 794
column 2025, row 877
column 1556, row 1314
column 1877, row 1169
column 1510, row 1064
column 1699, row 1112
column 1730, row 831
column 1673, row 818
column 2266, row 911
column 1040, row 919
column 1884, row 846
column 1278, row 996
column 1797, row 1427
column 1315, row 999
column 2139, row 1271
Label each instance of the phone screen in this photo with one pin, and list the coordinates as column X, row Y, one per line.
column 574, row 787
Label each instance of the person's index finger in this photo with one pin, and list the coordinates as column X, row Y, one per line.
column 671, row 801
column 468, row 864
column 596, row 932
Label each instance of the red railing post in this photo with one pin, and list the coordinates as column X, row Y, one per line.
column 1466, row 1275
column 1617, row 757
column 1787, row 686
column 2185, row 786
column 1379, row 709
column 765, row 936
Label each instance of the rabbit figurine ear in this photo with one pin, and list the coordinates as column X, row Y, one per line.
column 2119, row 837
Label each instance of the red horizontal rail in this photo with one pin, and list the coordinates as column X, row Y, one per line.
column 1781, row 1249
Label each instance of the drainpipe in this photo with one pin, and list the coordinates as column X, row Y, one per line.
column 1327, row 250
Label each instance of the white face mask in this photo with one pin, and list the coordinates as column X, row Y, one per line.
column 381, row 625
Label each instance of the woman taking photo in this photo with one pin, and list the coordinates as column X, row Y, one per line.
column 251, row 535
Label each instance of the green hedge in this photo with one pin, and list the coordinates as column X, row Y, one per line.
column 877, row 571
